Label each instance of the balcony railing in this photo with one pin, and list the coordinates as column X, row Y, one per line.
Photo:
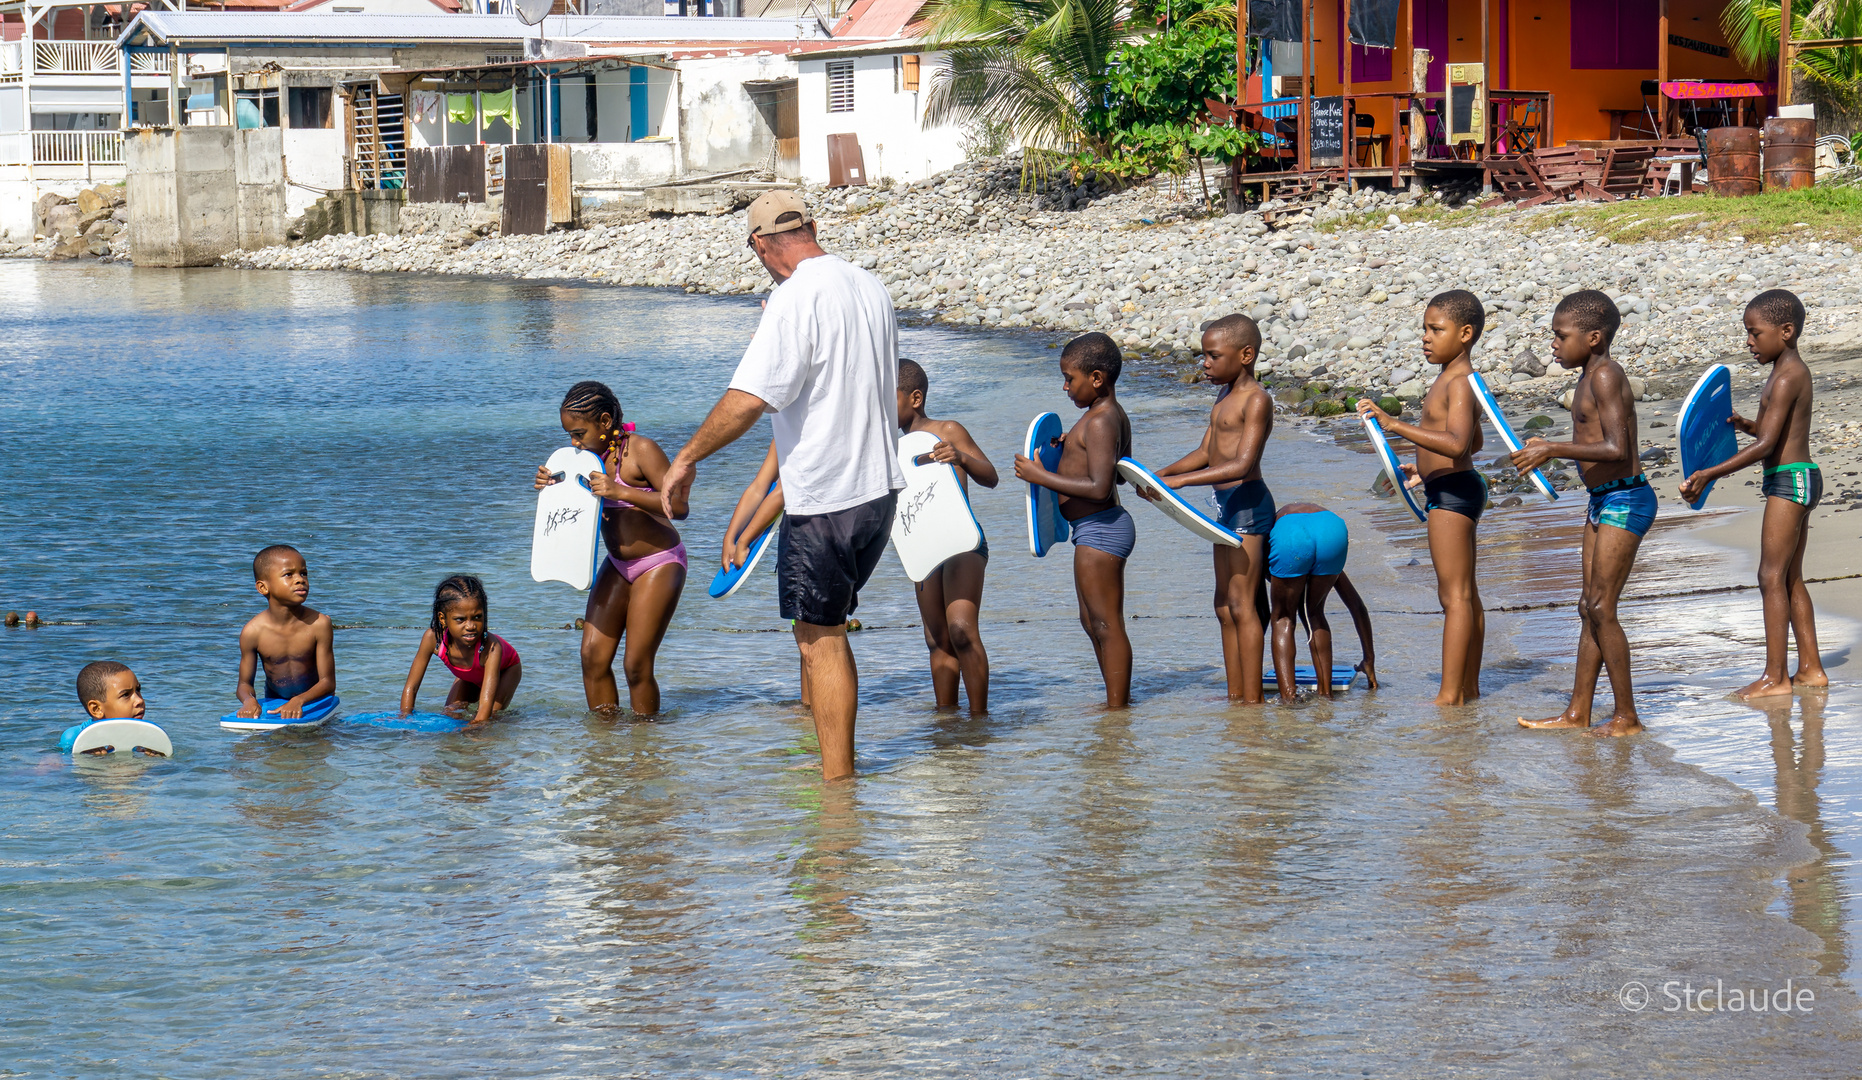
column 77, row 148
column 72, row 58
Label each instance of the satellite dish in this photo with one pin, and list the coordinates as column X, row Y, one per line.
column 531, row 12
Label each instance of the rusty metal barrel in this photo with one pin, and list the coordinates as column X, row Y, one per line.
column 1790, row 153
column 1733, row 160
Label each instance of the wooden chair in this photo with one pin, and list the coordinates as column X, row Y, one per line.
column 1625, row 174
column 1563, row 172
column 1513, row 178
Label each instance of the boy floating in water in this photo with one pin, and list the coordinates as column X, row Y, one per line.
column 108, row 691
column 1622, row 505
column 1446, row 441
column 1103, row 533
column 1230, row 459
column 294, row 642
column 950, row 599
column 1306, row 561
column 1793, row 487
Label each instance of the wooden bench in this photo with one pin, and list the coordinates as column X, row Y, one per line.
column 1565, row 172
column 1625, row 174
column 1513, row 178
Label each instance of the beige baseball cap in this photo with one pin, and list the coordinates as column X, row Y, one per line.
column 770, row 206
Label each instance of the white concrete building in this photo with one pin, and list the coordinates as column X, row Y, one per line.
column 875, row 94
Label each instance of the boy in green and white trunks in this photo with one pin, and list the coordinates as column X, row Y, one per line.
column 1793, row 487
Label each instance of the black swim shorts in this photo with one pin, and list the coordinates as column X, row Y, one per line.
column 1463, row 492
column 822, row 560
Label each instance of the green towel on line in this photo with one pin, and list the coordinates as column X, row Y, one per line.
column 459, row 108
column 500, row 105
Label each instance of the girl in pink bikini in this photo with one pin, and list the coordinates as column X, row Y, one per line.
column 486, row 669
column 638, row 588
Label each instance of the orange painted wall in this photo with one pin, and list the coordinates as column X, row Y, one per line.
column 1539, row 58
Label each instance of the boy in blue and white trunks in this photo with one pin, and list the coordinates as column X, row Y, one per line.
column 1229, row 459
column 1102, row 531
column 1622, row 505
column 1305, row 562
column 1793, row 486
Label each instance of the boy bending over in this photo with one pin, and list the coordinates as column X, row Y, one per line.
column 1793, row 487
column 1102, row 530
column 1622, row 505
column 951, row 598
column 294, row 642
column 1446, row 441
column 1229, row 458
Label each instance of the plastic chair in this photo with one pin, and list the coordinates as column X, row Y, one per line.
column 1674, row 177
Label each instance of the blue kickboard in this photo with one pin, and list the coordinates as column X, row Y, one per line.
column 1491, row 406
column 1045, row 525
column 416, row 721
column 1392, row 467
column 726, row 582
column 1705, row 430
column 315, row 712
column 1344, row 676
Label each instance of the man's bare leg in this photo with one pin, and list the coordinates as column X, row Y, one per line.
column 1451, row 548
column 1810, row 671
column 1590, row 658
column 834, row 684
column 1780, row 538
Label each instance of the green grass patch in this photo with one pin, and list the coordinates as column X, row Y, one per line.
column 1818, row 213
column 1426, row 213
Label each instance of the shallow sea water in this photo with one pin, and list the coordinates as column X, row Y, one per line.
column 1370, row 886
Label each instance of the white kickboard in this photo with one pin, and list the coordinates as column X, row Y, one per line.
column 1046, row 527
column 565, row 545
column 1175, row 506
column 1392, row 467
column 1491, row 406
column 123, row 737
column 933, row 521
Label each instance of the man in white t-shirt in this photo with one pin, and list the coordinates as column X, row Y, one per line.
column 825, row 362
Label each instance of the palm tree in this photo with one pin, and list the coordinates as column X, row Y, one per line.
column 1752, row 29
column 1029, row 67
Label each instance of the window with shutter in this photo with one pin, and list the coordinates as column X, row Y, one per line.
column 840, row 86
column 909, row 63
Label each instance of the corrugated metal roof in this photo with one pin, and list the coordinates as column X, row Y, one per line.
column 877, row 19
column 231, row 27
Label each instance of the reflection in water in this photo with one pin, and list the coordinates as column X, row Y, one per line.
column 1817, row 901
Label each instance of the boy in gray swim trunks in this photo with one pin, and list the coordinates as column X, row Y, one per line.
column 1103, row 535
column 1229, row 459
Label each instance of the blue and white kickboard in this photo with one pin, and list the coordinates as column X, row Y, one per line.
column 933, row 522
column 726, row 582
column 1045, row 525
column 416, row 721
column 122, row 736
column 1344, row 677
column 1392, row 467
column 315, row 713
column 1491, row 407
column 1175, row 507
column 1705, row 427
column 565, row 544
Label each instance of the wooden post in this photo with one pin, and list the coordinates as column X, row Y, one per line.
column 1784, row 53
column 1486, row 118
column 1661, row 73
column 1418, row 84
column 1351, row 109
column 1241, row 52
column 1308, row 54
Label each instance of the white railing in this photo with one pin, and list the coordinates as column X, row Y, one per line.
column 77, row 148
column 12, row 60
column 75, row 58
column 149, row 63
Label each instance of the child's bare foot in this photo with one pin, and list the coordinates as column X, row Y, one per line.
column 1810, row 680
column 1617, row 726
column 1566, row 719
column 1765, row 686
column 1446, row 698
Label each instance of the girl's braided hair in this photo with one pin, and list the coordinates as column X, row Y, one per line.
column 451, row 591
column 591, row 398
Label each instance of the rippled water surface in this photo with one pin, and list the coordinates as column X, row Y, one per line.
column 1365, row 887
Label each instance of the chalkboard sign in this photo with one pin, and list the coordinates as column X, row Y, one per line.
column 1463, row 121
column 1328, row 131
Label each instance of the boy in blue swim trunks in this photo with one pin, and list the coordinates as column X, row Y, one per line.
column 1446, row 441
column 294, row 643
column 1229, row 459
column 1793, row 487
column 1305, row 562
column 1622, row 505
column 1102, row 531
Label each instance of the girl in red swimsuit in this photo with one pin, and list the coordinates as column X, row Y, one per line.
column 485, row 667
column 638, row 588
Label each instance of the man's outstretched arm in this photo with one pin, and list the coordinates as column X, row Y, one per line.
column 734, row 414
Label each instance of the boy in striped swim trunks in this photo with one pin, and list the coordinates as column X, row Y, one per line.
column 1793, row 487
column 1622, row 505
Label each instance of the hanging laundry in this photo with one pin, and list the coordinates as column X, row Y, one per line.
column 427, row 108
column 459, row 108
column 502, row 105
